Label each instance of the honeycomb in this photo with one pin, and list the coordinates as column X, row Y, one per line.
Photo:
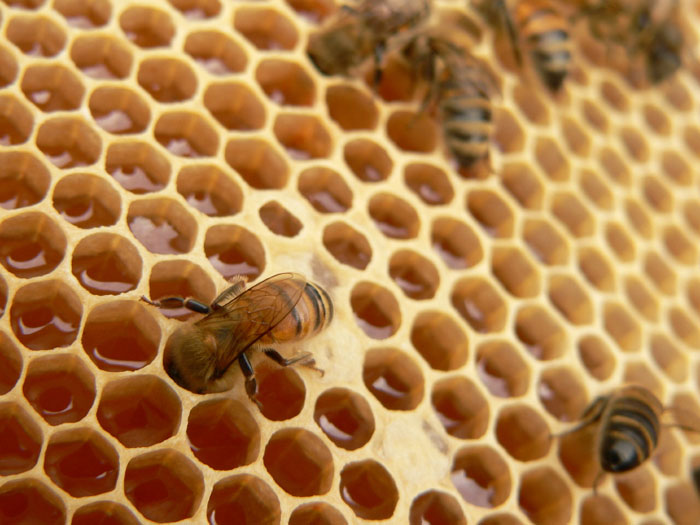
column 161, row 148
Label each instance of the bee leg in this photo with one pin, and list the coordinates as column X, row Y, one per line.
column 304, row 359
column 251, row 384
column 179, row 302
column 591, row 415
column 237, row 286
column 597, row 479
column 379, row 50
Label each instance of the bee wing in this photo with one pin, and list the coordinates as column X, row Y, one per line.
column 243, row 320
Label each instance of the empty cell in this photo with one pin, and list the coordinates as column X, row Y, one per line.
column 681, row 502
column 46, row 315
column 544, row 497
column 597, row 269
column 620, row 241
column 139, row 410
column 60, row 388
column 640, row 373
column 492, row 212
column 210, row 190
column 302, row 136
column 197, row 9
column 686, row 410
column 440, row 340
column 480, row 304
column 8, row 67
column 676, row 168
column 36, row 36
column 668, row 457
column 68, row 142
column 101, row 56
column 414, row 274
column 601, row 510
column 16, row 121
column 692, row 289
column 691, row 214
column 639, row 218
column 186, row 134
column 31, row 244
column 435, row 507
column 691, row 137
column 501, row 369
column 656, row 119
column 515, row 271
column 614, row 96
column 162, row 225
column 672, row 361
column 233, row 250
column 523, row 432
column 347, row 245
column 597, row 356
column 551, row 159
column 573, row 214
column 81, row 462
column 546, row 242
column 21, row 441
column 235, row 106
column 3, row 295
column 30, row 501
column 622, row 327
column 163, row 485
column 137, row 167
column 299, row 462
column 369, row 489
column 267, row 29
column 24, row 180
column 223, row 434
column 243, row 499
column 642, row 298
column 180, row 278
column 86, row 201
column 351, row 108
column 119, row 110
column 104, row 513
column 281, row 391
column 429, row 182
column 318, row 513
column 594, row 115
column 571, row 299
column 508, row 135
column 661, row 274
column 285, row 82
column 684, row 327
column 215, row 52
column 325, row 189
column 679, row 246
column 398, row 82
column 393, row 378
column 500, row 519
column 530, row 104
column 279, row 220
column 260, row 165
column 615, row 166
column 596, row 189
column 461, row 407
column 314, row 11
column 523, row 184
column 367, row 160
column 481, row 476
column 412, row 132
column 678, row 95
column 543, row 336
column 84, row 15
column 10, row 364
column 147, row 27
column 635, row 144
column 393, row 216
column 576, row 137
column 456, row 243
column 345, row 417
column 657, row 194
column 52, row 87
column 638, row 489
column 562, row 393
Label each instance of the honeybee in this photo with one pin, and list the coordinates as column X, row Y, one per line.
column 281, row 309
column 541, row 27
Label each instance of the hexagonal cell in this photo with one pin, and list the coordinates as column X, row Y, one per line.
column 345, row 417
column 676, row 168
column 81, row 462
column 691, row 137
column 456, row 243
column 481, row 476
column 523, row 184
column 119, row 110
column 260, row 165
column 147, row 27
column 318, row 513
column 69, row 142
column 313, row 10
column 8, row 67
column 678, row 95
column 546, row 242
column 639, row 218
column 429, row 182
column 657, row 194
column 210, row 190
column 492, row 212
column 16, row 121
column 508, row 135
column 573, row 214
column 638, row 489
column 368, row 488
column 439, row 340
column 515, row 271
column 266, row 29
column 480, row 304
column 60, row 388
column 52, row 87
column 656, row 119
column 615, row 166
column 121, row 335
column 597, row 269
column 531, row 105
column 669, row 358
column 435, row 507
column 596, row 356
column 186, row 134
column 24, row 180
column 216, row 52
column 640, row 373
column 285, row 82
column 414, row 274
column 299, row 462
column 31, row 244
column 21, row 440
column 325, row 189
column 137, row 166
column 622, row 327
column 86, row 201
column 682, row 503
column 101, row 56
column 461, row 407
column 393, row 216
column 167, row 79
column 162, row 225
column 500, row 519
column 501, row 369
column 302, row 136
column 412, row 131
column 679, row 246
column 635, row 144
column 46, row 315
column 197, row 9
column 10, row 364
column 36, row 36
column 351, row 108
column 243, row 499
column 571, row 299
column 105, row 513
column 393, row 378
column 562, row 393
column 180, row 279
column 233, row 250
column 279, row 220
column 668, row 457
column 235, row 106
column 223, row 434
column 347, row 245
column 544, row 497
column 281, row 391
column 3, row 295
column 596, row 189
column 367, row 160
column 398, row 82
column 684, row 327
column 84, row 15
column 30, row 501
column 614, row 96
column 594, row 116
column 551, row 159
column 543, row 336
column 106, row 264
column 661, row 274
column 642, row 298
column 139, row 410
column 523, row 432
column 577, row 138
column 601, row 510
column 163, row 485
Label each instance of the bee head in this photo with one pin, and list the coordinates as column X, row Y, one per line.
column 189, row 358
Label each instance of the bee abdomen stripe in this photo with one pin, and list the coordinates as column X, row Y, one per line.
column 632, row 417
column 632, row 434
column 315, row 299
column 330, row 304
column 290, row 306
